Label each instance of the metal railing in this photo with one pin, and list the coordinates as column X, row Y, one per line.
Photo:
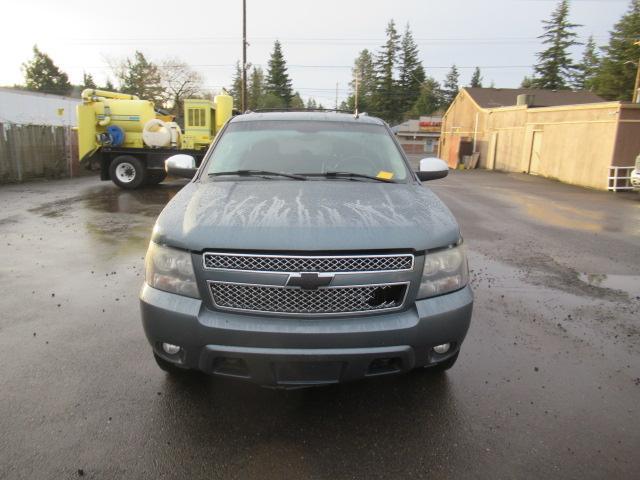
column 619, row 179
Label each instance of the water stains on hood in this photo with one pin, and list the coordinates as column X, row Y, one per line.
column 306, row 216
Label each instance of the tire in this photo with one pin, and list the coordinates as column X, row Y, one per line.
column 127, row 172
column 169, row 367
column 443, row 366
column 154, row 177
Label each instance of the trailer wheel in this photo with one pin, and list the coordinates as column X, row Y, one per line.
column 127, row 172
column 154, row 177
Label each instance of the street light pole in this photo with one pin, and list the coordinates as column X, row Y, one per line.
column 244, row 56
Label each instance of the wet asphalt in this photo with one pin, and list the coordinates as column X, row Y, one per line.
column 547, row 384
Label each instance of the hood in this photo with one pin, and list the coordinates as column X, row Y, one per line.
column 324, row 215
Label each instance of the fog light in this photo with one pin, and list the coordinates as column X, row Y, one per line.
column 170, row 349
column 440, row 349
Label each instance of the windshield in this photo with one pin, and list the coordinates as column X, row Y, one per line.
column 312, row 148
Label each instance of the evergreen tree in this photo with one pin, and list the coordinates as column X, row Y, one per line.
column 278, row 82
column 385, row 101
column 141, row 77
column 236, row 87
column 109, row 86
column 476, row 78
column 42, row 75
column 430, row 99
column 451, row 87
column 255, row 88
column 555, row 69
column 587, row 69
column 411, row 73
column 87, row 81
column 363, row 70
column 311, row 104
column 616, row 76
column 296, row 101
column 271, row 100
column 527, row 82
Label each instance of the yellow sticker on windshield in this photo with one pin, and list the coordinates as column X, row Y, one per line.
column 385, row 175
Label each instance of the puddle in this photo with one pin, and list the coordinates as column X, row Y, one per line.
column 147, row 201
column 630, row 284
column 560, row 215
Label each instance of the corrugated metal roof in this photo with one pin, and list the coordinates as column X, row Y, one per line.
column 506, row 97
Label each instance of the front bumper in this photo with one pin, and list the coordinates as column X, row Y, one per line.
column 290, row 351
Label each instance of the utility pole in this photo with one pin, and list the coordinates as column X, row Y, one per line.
column 637, row 84
column 244, row 56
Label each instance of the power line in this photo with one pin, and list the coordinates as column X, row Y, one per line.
column 304, row 40
column 262, row 65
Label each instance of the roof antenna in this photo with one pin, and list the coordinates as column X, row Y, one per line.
column 356, row 114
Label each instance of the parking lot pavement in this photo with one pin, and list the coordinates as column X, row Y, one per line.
column 547, row 384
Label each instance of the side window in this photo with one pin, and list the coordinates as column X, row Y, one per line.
column 197, row 117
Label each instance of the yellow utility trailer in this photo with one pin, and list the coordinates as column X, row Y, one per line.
column 130, row 140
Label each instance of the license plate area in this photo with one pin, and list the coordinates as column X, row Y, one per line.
column 307, row 373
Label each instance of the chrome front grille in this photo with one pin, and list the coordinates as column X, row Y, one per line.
column 322, row 301
column 293, row 264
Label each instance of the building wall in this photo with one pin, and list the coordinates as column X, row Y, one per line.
column 575, row 144
column 457, row 124
column 628, row 137
column 32, row 108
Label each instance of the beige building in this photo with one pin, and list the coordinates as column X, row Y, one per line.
column 574, row 137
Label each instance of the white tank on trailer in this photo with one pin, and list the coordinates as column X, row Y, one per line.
column 157, row 133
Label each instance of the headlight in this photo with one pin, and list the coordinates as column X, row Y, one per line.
column 444, row 271
column 170, row 270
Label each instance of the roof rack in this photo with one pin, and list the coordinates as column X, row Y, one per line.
column 268, row 110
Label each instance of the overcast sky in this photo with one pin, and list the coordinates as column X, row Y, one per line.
column 320, row 38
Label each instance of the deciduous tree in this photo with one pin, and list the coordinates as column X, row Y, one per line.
column 179, row 81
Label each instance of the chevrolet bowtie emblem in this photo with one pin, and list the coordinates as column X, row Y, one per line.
column 309, row 281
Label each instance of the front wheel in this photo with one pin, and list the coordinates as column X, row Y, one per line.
column 127, row 172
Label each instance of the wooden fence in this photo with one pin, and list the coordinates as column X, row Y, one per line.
column 37, row 151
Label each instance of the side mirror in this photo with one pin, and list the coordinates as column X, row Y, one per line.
column 181, row 165
column 432, row 168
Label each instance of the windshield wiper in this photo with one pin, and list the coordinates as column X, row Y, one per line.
column 348, row 175
column 258, row 173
